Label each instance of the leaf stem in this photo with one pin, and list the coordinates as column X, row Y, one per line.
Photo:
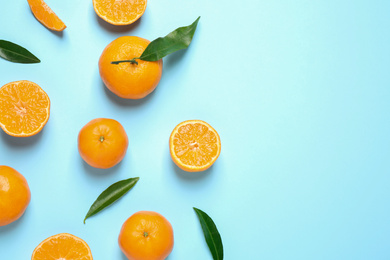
column 132, row 61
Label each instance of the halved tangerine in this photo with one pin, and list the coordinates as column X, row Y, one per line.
column 120, row 12
column 24, row 108
column 62, row 247
column 194, row 145
column 45, row 15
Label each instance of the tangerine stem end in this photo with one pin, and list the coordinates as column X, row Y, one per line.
column 132, row 61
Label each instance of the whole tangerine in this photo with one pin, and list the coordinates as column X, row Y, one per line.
column 15, row 195
column 103, row 143
column 146, row 235
column 129, row 80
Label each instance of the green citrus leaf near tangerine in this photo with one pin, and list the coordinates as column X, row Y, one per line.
column 211, row 234
column 16, row 53
column 110, row 195
column 159, row 48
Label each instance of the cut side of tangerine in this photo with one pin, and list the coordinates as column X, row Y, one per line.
column 24, row 108
column 120, row 12
column 194, row 145
column 45, row 15
column 62, row 247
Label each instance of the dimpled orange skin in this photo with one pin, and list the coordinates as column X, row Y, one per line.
column 15, row 195
column 103, row 143
column 146, row 235
column 126, row 80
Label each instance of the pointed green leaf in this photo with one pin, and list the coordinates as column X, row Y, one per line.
column 110, row 195
column 177, row 40
column 16, row 53
column 159, row 48
column 211, row 234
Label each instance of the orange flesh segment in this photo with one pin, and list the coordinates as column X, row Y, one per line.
column 24, row 107
column 120, row 12
column 45, row 15
column 62, row 246
column 196, row 144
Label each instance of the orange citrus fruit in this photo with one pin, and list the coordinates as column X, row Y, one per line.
column 146, row 235
column 14, row 195
column 103, row 143
column 194, row 145
column 62, row 247
column 119, row 12
column 24, row 108
column 45, row 15
column 128, row 80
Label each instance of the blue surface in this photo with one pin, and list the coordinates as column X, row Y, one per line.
column 298, row 91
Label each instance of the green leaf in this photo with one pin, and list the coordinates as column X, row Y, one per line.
column 211, row 234
column 177, row 40
column 110, row 195
column 16, row 53
column 159, row 48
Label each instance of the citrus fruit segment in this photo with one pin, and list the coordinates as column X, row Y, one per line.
column 194, row 145
column 24, row 108
column 126, row 80
column 146, row 235
column 119, row 12
column 14, row 195
column 103, row 143
column 45, row 15
column 64, row 247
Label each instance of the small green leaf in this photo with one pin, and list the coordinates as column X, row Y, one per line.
column 177, row 40
column 211, row 234
column 16, row 53
column 159, row 48
column 110, row 195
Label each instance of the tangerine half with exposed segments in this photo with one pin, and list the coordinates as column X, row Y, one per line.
column 128, row 80
column 63, row 246
column 194, row 145
column 24, row 108
column 146, row 235
column 103, row 143
column 15, row 195
column 120, row 12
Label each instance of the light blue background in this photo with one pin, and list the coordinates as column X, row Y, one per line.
column 298, row 91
